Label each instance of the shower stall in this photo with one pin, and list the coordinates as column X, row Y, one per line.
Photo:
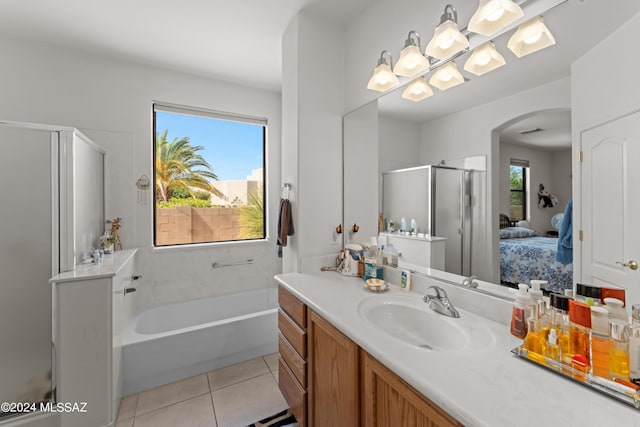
column 443, row 201
column 51, row 212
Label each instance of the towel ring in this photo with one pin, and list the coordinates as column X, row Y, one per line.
column 286, row 186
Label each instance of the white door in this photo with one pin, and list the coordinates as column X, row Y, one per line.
column 611, row 204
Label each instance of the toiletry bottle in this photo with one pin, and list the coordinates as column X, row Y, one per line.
column 534, row 341
column 414, row 226
column 390, row 256
column 405, row 280
column 535, row 291
column 590, row 295
column 580, row 332
column 403, row 225
column 553, row 351
column 520, row 312
column 616, row 310
column 370, row 261
column 544, row 317
column 634, row 345
column 600, row 342
column 560, row 304
column 619, row 350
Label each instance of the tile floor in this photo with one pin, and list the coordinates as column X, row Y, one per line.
column 229, row 397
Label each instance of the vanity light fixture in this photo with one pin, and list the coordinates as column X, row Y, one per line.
column 417, row 90
column 530, row 37
column 447, row 39
column 494, row 15
column 383, row 78
column 447, row 77
column 484, row 58
column 411, row 60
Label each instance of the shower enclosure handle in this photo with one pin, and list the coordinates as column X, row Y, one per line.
column 129, row 290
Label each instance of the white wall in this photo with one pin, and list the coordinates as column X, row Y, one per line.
column 110, row 101
column 603, row 88
column 544, row 167
column 561, row 175
column 313, row 106
column 474, row 132
column 398, row 142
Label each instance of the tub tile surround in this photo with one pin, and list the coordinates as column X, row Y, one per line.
column 488, row 387
column 229, row 397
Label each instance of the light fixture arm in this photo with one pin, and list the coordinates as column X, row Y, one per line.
column 413, row 39
column 383, row 60
column 450, row 14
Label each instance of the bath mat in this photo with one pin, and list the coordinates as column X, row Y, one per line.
column 281, row 419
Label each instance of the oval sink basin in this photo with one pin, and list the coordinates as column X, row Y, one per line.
column 411, row 321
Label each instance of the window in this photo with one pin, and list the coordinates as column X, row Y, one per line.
column 518, row 185
column 209, row 176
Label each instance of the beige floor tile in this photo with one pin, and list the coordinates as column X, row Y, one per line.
column 236, row 373
column 246, row 402
column 276, row 376
column 127, row 407
column 272, row 361
column 125, row 423
column 165, row 395
column 195, row 412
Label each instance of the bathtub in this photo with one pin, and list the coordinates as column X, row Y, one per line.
column 176, row 341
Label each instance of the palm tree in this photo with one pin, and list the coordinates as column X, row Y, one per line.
column 252, row 216
column 178, row 165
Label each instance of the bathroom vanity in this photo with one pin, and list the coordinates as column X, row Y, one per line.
column 90, row 312
column 365, row 365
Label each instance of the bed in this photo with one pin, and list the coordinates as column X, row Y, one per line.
column 525, row 256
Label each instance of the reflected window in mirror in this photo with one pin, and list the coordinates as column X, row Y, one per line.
column 519, row 186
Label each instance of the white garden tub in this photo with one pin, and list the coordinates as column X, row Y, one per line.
column 176, row 341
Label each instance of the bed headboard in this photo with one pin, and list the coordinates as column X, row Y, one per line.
column 505, row 221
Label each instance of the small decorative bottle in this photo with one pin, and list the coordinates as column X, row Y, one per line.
column 634, row 345
column 619, row 350
column 553, row 351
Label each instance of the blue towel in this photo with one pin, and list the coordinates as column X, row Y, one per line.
column 565, row 237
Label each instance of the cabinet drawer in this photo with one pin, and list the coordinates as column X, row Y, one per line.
column 293, row 360
column 295, row 395
column 293, row 307
column 292, row 332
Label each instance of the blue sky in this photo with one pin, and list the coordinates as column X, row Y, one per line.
column 233, row 149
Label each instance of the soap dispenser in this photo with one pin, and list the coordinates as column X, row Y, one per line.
column 520, row 313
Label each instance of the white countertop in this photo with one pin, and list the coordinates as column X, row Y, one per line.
column 108, row 267
column 479, row 388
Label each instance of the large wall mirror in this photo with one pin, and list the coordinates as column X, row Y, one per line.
column 516, row 118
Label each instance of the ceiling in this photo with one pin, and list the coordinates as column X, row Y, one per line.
column 224, row 39
column 554, row 131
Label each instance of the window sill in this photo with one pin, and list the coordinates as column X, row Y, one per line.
column 211, row 245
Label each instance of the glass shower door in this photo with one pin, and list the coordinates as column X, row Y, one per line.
column 26, row 264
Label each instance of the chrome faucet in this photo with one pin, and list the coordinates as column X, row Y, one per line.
column 470, row 282
column 440, row 303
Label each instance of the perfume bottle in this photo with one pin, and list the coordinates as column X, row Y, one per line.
column 580, row 332
column 560, row 322
column 553, row 351
column 619, row 350
column 534, row 342
column 600, row 342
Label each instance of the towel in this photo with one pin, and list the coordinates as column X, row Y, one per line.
column 285, row 224
column 565, row 237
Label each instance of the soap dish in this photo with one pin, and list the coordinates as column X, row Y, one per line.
column 376, row 285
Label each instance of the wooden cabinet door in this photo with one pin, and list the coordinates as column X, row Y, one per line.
column 333, row 376
column 390, row 402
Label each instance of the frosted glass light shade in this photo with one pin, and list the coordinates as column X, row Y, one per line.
column 417, row 90
column 411, row 62
column 530, row 37
column 382, row 79
column 447, row 41
column 447, row 77
column 494, row 15
column 484, row 58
